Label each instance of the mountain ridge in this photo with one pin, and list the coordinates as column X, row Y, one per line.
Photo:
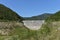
column 38, row 17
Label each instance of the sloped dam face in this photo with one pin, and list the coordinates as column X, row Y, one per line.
column 33, row 24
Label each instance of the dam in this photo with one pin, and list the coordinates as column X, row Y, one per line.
column 33, row 24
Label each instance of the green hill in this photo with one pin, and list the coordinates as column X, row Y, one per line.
column 11, row 26
column 38, row 17
column 7, row 14
column 55, row 17
column 51, row 29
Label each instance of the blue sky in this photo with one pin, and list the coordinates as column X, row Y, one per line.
column 28, row 8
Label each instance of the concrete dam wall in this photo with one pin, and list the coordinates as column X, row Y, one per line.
column 33, row 24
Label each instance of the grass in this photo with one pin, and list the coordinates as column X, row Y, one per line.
column 21, row 33
column 48, row 31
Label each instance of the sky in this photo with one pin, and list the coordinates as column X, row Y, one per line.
column 28, row 8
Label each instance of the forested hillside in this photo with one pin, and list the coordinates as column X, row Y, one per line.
column 55, row 17
column 8, row 14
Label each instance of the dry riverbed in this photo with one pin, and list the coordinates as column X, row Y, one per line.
column 33, row 24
